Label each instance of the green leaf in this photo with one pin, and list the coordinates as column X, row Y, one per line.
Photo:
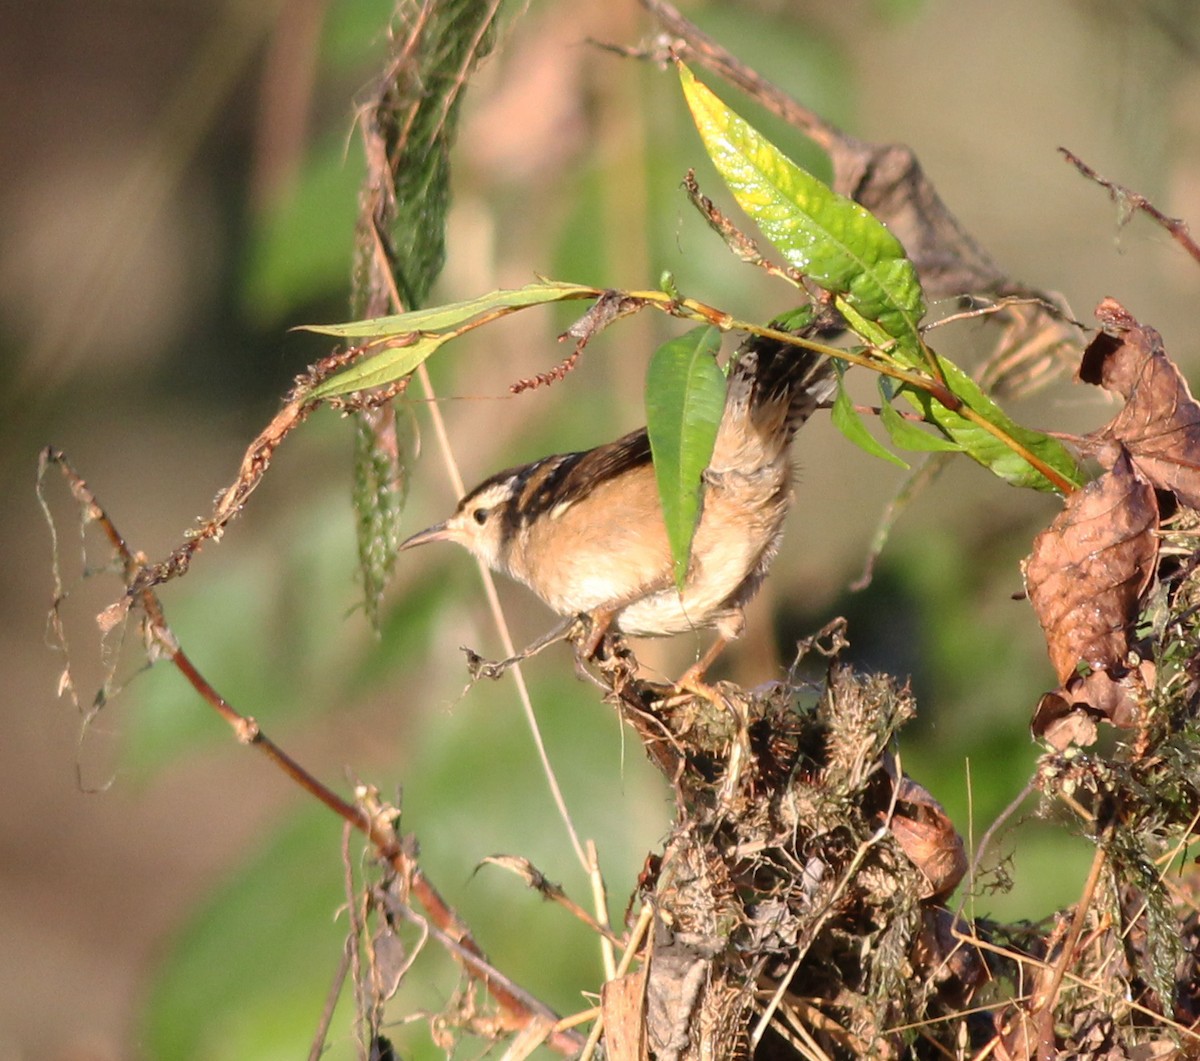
column 376, row 370
column 904, row 433
column 453, row 314
column 685, row 396
column 984, row 445
column 846, row 419
column 831, row 239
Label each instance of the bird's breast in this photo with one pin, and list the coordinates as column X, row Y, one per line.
column 611, row 552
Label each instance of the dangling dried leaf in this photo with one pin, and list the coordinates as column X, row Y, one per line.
column 1087, row 571
column 927, row 836
column 1070, row 714
column 1160, row 424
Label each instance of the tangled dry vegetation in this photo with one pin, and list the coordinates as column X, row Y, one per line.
column 802, row 897
column 801, row 900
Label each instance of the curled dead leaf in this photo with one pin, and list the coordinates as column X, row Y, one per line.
column 1069, row 714
column 609, row 307
column 1089, row 569
column 1159, row 427
column 944, row 953
column 1061, row 722
column 927, row 836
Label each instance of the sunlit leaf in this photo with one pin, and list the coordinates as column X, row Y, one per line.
column 997, row 449
column 831, row 239
column 685, row 396
column 453, row 314
column 377, row 370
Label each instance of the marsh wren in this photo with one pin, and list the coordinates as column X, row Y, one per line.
column 585, row 530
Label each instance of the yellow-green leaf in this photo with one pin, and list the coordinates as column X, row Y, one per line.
column 453, row 314
column 831, row 239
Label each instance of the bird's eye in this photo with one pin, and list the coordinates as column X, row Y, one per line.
column 480, row 516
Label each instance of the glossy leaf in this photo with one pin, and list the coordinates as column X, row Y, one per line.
column 831, row 239
column 997, row 449
column 453, row 314
column 685, row 396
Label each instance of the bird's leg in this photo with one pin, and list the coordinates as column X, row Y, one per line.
column 601, row 620
column 729, row 627
column 692, row 679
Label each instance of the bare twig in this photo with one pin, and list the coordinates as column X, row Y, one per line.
column 1129, row 201
column 735, row 239
column 551, row 891
column 317, row 1049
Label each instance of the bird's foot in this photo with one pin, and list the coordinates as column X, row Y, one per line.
column 479, row 667
column 692, row 680
column 600, row 623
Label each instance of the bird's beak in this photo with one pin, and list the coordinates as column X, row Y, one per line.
column 439, row 532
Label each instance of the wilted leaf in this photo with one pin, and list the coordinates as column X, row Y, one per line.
column 685, row 396
column 1160, row 424
column 1087, row 571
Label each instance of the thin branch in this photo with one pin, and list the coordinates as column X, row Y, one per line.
column 559, row 1039
column 1128, row 201
column 374, row 820
column 1047, row 1050
column 331, row 1000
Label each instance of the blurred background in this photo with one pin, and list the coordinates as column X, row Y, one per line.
column 178, row 188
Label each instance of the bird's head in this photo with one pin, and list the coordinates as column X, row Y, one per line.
column 480, row 523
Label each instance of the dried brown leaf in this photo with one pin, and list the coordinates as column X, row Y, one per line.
column 609, row 307
column 1061, row 722
column 1070, row 713
column 1160, row 424
column 390, row 960
column 1089, row 568
column 943, row 954
column 927, row 836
